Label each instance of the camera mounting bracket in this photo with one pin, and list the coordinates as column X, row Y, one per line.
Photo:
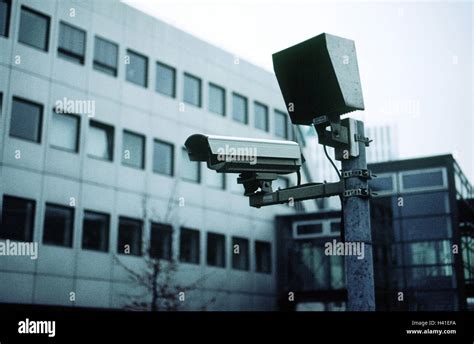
column 252, row 181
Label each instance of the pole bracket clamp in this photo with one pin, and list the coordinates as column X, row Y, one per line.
column 361, row 173
column 360, row 192
column 360, row 138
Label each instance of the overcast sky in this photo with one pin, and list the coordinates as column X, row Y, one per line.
column 415, row 58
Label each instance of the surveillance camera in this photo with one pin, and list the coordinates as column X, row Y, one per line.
column 240, row 155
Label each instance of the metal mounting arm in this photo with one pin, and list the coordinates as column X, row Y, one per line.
column 296, row 193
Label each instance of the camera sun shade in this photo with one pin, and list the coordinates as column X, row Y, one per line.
column 319, row 77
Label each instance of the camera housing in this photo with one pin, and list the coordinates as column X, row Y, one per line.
column 226, row 154
column 319, row 77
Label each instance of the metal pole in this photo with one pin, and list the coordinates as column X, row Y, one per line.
column 359, row 272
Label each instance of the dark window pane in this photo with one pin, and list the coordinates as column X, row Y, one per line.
column 26, row 120
column 4, row 17
column 281, row 125
column 34, row 29
column 105, row 56
column 425, row 204
column 100, row 142
column 137, row 68
column 64, row 131
column 129, row 237
column 239, row 108
column 426, row 228
column 58, row 225
column 189, row 246
column 161, row 241
column 309, row 229
column 240, row 253
column 381, row 184
column 95, row 231
column 425, row 179
column 335, row 227
column 165, row 79
column 18, row 217
column 190, row 170
column 215, row 249
column 192, row 90
column 261, row 116
column 263, row 257
column 163, row 154
column 133, row 153
column 216, row 99
column 72, row 43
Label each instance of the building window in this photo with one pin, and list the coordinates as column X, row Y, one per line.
column 100, row 143
column 165, row 79
column 423, row 179
column 95, row 231
column 281, row 126
column 34, row 29
column 263, row 257
column 192, row 90
column 5, row 6
column 261, row 116
column 163, row 161
column 189, row 243
column 239, row 108
column 161, row 238
column 105, row 56
column 129, row 236
column 65, row 131
column 133, row 150
column 72, row 43
column 58, row 225
column 216, row 99
column 190, row 170
column 214, row 179
column 26, row 120
column 240, row 253
column 137, row 68
column 216, row 250
column 1, row 104
column 18, row 218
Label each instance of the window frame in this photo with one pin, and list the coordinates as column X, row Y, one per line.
column 198, row 235
column 224, row 105
column 143, row 155
column 192, row 76
column 8, row 18
column 233, row 242
column 48, row 30
column 111, row 144
column 444, row 176
column 140, row 244
column 78, row 132
column 171, row 68
column 130, row 52
column 276, row 113
column 161, row 227
column 268, row 244
column 31, row 228
column 96, row 63
column 106, row 215
column 256, row 104
column 40, row 121
column 72, row 213
column 240, row 96
column 155, row 140
column 72, row 56
column 216, row 236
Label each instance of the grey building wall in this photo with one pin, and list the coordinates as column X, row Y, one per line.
column 45, row 174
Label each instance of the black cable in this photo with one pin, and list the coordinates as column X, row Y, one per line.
column 340, row 196
column 298, row 177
